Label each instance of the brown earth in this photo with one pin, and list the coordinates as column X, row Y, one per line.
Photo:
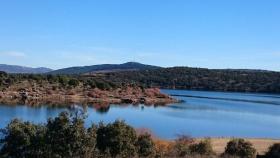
column 32, row 94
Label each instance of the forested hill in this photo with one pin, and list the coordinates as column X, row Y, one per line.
column 203, row 79
column 103, row 68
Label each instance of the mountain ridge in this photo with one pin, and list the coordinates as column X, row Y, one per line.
column 128, row 66
column 105, row 68
column 23, row 69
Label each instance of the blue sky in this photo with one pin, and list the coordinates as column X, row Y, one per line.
column 196, row 33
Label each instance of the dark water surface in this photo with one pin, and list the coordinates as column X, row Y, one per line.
column 214, row 114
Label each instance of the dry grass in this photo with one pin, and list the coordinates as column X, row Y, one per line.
column 261, row 145
column 219, row 144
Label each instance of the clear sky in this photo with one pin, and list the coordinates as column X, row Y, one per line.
column 196, row 33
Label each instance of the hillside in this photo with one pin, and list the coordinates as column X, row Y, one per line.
column 23, row 69
column 202, row 79
column 129, row 66
column 233, row 80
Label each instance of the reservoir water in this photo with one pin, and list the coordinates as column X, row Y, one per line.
column 202, row 114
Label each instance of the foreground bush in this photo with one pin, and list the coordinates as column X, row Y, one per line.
column 118, row 138
column 181, row 147
column 240, row 148
column 274, row 151
column 66, row 136
column 204, row 147
column 22, row 139
column 145, row 145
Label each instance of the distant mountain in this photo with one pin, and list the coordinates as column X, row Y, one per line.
column 129, row 66
column 23, row 69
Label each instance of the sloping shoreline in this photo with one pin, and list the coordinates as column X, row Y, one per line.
column 128, row 95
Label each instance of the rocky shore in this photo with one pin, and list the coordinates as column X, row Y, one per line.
column 52, row 95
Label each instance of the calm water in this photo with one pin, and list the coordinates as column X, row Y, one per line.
column 214, row 114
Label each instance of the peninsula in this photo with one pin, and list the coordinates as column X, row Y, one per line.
column 35, row 89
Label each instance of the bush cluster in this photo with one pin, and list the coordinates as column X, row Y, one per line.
column 240, row 148
column 66, row 136
column 186, row 146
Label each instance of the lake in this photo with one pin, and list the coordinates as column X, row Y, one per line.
column 202, row 114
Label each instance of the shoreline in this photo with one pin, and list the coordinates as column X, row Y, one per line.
column 45, row 96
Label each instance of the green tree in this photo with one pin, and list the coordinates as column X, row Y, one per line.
column 145, row 145
column 91, row 150
column 102, row 85
column 3, row 74
column 66, row 136
column 90, row 82
column 57, row 136
column 52, row 78
column 22, row 139
column 73, row 82
column 274, row 151
column 118, row 138
column 63, row 80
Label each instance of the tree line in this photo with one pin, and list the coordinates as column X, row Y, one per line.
column 66, row 136
column 63, row 81
column 202, row 79
column 169, row 78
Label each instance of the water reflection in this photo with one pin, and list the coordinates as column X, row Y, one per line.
column 198, row 117
column 103, row 110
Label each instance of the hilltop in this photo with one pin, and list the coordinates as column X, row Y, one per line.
column 104, row 68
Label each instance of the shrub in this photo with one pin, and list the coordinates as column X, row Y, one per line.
column 118, row 138
column 202, row 148
column 91, row 140
column 145, row 145
column 182, row 144
column 22, row 139
column 3, row 74
column 73, row 82
column 274, row 151
column 58, row 135
column 241, row 148
column 66, row 136
column 90, row 83
column 102, row 85
column 63, row 80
